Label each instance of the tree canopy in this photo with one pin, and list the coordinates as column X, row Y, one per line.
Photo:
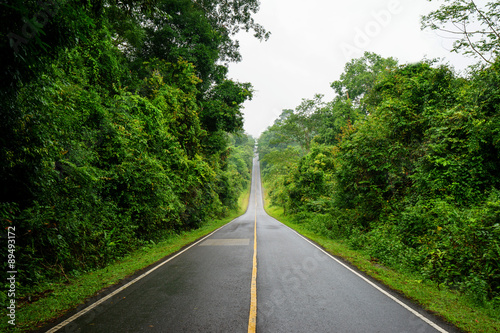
column 403, row 164
column 475, row 28
column 118, row 125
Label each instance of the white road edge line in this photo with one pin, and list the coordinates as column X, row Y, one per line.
column 104, row 299
column 395, row 299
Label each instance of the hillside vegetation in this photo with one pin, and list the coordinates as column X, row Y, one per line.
column 118, row 128
column 404, row 163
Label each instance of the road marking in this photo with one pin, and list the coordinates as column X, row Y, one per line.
column 252, row 321
column 226, row 242
column 395, row 299
column 104, row 299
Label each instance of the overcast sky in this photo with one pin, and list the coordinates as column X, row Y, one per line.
column 312, row 41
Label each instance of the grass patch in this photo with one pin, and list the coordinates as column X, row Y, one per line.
column 452, row 306
column 58, row 298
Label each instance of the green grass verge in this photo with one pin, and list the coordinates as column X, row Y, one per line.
column 68, row 295
column 449, row 305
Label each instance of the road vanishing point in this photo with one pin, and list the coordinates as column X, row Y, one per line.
column 252, row 275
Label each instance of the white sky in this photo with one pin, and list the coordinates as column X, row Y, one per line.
column 312, row 41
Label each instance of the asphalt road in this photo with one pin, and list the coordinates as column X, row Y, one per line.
column 208, row 288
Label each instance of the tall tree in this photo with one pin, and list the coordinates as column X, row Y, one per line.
column 475, row 28
column 105, row 133
column 300, row 125
column 360, row 75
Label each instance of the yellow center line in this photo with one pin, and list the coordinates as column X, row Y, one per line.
column 252, row 321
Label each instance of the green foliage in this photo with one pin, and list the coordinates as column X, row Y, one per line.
column 197, row 31
column 360, row 76
column 312, row 182
column 237, row 171
column 105, row 140
column 222, row 109
column 474, row 27
column 333, row 118
column 456, row 247
column 407, row 172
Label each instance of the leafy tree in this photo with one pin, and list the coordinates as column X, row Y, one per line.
column 475, row 28
column 107, row 141
column 311, row 185
column 356, row 82
column 280, row 164
column 237, row 169
column 299, row 126
column 222, row 109
column 360, row 76
column 333, row 118
column 412, row 180
column 378, row 159
column 200, row 32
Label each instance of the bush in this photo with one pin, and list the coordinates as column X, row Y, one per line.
column 463, row 253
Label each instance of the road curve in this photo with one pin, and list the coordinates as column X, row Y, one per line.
column 208, row 287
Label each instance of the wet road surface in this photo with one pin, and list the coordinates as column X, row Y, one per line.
column 208, row 288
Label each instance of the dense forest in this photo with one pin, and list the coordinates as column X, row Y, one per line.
column 118, row 127
column 404, row 163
